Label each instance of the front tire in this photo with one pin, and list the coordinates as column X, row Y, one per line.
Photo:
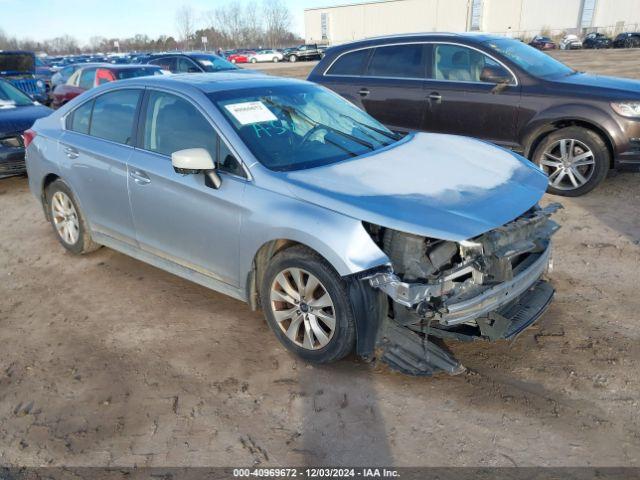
column 307, row 306
column 293, row 59
column 575, row 159
column 253, row 60
column 67, row 220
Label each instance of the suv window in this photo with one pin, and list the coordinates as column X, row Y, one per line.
column 166, row 63
column 79, row 120
column 350, row 63
column 185, row 65
column 461, row 64
column 87, row 77
column 171, row 123
column 113, row 116
column 403, row 61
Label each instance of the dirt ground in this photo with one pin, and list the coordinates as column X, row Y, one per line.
column 107, row 361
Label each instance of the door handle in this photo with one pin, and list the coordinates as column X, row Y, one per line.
column 139, row 177
column 364, row 92
column 71, row 152
column 435, row 97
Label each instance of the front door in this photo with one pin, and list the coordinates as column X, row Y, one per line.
column 461, row 101
column 178, row 217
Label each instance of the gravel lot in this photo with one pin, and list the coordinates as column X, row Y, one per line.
column 107, row 361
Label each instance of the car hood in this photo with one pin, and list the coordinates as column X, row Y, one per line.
column 19, row 119
column 623, row 86
column 440, row 186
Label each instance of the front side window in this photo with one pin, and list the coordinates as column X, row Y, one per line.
column 186, row 66
column 171, row 123
column 398, row 61
column 350, row 63
column 461, row 64
column 532, row 61
column 113, row 116
column 303, row 126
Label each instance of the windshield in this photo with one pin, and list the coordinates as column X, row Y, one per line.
column 533, row 61
column 213, row 63
column 303, row 126
column 11, row 97
column 17, row 62
column 137, row 72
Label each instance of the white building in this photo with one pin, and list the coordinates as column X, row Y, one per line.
column 519, row 18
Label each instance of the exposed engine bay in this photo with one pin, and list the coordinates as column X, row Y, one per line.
column 489, row 287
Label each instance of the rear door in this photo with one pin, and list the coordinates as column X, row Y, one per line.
column 461, row 101
column 97, row 143
column 391, row 88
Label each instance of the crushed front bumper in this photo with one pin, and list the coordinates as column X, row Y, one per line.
column 11, row 161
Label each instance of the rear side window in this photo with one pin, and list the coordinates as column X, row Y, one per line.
column 166, row 63
column 114, row 115
column 80, row 119
column 350, row 63
column 399, row 61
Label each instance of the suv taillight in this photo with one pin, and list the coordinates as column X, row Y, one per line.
column 28, row 137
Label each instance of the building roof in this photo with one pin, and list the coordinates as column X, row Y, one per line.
column 352, row 4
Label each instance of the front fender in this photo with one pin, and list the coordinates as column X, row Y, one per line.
column 546, row 119
column 341, row 240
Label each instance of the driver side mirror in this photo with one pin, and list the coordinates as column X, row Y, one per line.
column 193, row 161
column 495, row 75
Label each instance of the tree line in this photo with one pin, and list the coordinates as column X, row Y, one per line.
column 236, row 24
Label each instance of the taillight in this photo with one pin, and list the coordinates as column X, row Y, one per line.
column 28, row 137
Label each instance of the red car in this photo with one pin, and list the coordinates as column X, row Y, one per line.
column 93, row 75
column 240, row 57
column 543, row 43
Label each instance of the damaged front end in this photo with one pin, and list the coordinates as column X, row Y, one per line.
column 489, row 287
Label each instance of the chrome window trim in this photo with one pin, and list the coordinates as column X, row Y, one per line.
column 425, row 42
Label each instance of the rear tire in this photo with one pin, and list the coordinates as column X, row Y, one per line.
column 316, row 322
column 576, row 160
column 67, row 220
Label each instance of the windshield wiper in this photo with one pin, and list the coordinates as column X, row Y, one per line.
column 391, row 135
column 289, row 109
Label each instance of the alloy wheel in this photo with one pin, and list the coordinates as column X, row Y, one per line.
column 569, row 163
column 65, row 218
column 303, row 308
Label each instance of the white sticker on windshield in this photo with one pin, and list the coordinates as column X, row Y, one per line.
column 6, row 104
column 251, row 112
column 206, row 63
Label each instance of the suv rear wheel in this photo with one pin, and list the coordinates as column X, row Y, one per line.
column 306, row 305
column 575, row 159
column 67, row 220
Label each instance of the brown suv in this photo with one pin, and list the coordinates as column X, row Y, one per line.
column 573, row 125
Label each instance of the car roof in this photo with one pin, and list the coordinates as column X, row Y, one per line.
column 214, row 82
column 475, row 37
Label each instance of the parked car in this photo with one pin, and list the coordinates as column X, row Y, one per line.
column 305, row 52
column 89, row 77
column 63, row 75
column 570, row 42
column 543, row 43
column 18, row 112
column 191, row 63
column 266, row 56
column 288, row 197
column 240, row 57
column 19, row 68
column 573, row 125
column 596, row 40
column 627, row 40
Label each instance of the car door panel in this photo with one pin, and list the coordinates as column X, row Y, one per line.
column 459, row 103
column 97, row 172
column 179, row 218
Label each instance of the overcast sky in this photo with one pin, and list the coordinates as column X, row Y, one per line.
column 41, row 19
